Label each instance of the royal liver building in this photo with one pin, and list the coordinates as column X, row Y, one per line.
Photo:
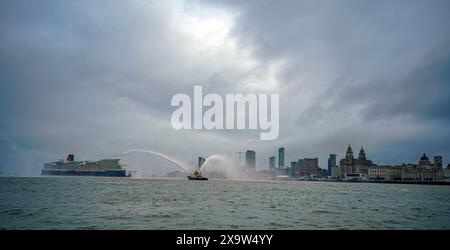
column 350, row 164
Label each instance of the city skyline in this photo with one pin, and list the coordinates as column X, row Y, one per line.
column 351, row 168
column 95, row 78
column 333, row 161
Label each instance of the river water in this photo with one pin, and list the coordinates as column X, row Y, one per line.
column 131, row 203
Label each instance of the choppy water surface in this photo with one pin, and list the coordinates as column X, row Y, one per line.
column 127, row 203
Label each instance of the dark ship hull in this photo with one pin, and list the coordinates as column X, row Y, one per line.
column 106, row 173
column 197, row 178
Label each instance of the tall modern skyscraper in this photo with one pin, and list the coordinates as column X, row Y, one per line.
column 294, row 168
column 331, row 162
column 272, row 160
column 250, row 160
column 281, row 157
column 201, row 160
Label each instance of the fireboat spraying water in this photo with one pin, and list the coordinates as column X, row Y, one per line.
column 197, row 175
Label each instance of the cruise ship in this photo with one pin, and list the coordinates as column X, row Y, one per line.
column 70, row 167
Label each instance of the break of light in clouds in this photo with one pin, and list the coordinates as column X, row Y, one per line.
column 96, row 77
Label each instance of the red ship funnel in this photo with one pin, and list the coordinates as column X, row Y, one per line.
column 70, row 157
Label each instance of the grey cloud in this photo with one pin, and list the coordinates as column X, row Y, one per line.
column 96, row 77
column 355, row 63
column 422, row 94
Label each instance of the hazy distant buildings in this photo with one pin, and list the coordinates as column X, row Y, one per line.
column 281, row 157
column 331, row 162
column 379, row 173
column 272, row 160
column 335, row 172
column 425, row 171
column 201, row 160
column 438, row 162
column 446, row 172
column 355, row 169
column 310, row 166
column 424, row 162
column 250, row 160
column 294, row 169
column 297, row 171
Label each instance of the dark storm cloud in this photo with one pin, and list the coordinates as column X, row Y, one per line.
column 76, row 76
column 66, row 66
column 95, row 77
column 364, row 68
column 422, row 94
column 66, row 46
column 351, row 35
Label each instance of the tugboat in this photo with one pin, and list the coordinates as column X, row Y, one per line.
column 197, row 175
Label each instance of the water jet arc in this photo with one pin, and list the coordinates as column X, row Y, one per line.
column 162, row 156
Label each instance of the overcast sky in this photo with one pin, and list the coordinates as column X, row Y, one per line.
column 95, row 78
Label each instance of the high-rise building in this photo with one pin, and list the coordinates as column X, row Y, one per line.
column 272, row 160
column 310, row 166
column 201, row 160
column 331, row 162
column 438, row 162
column 281, row 157
column 294, row 168
column 250, row 160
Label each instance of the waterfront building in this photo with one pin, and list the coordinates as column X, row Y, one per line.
column 424, row 162
column 335, row 172
column 352, row 165
column 250, row 160
column 446, row 173
column 298, row 165
column 408, row 172
column 378, row 173
column 384, row 173
column 418, row 173
column 272, row 160
column 294, row 169
column 331, row 162
column 438, row 162
column 437, row 167
column 281, row 157
column 310, row 166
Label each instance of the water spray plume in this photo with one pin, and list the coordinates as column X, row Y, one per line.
column 221, row 164
column 162, row 156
